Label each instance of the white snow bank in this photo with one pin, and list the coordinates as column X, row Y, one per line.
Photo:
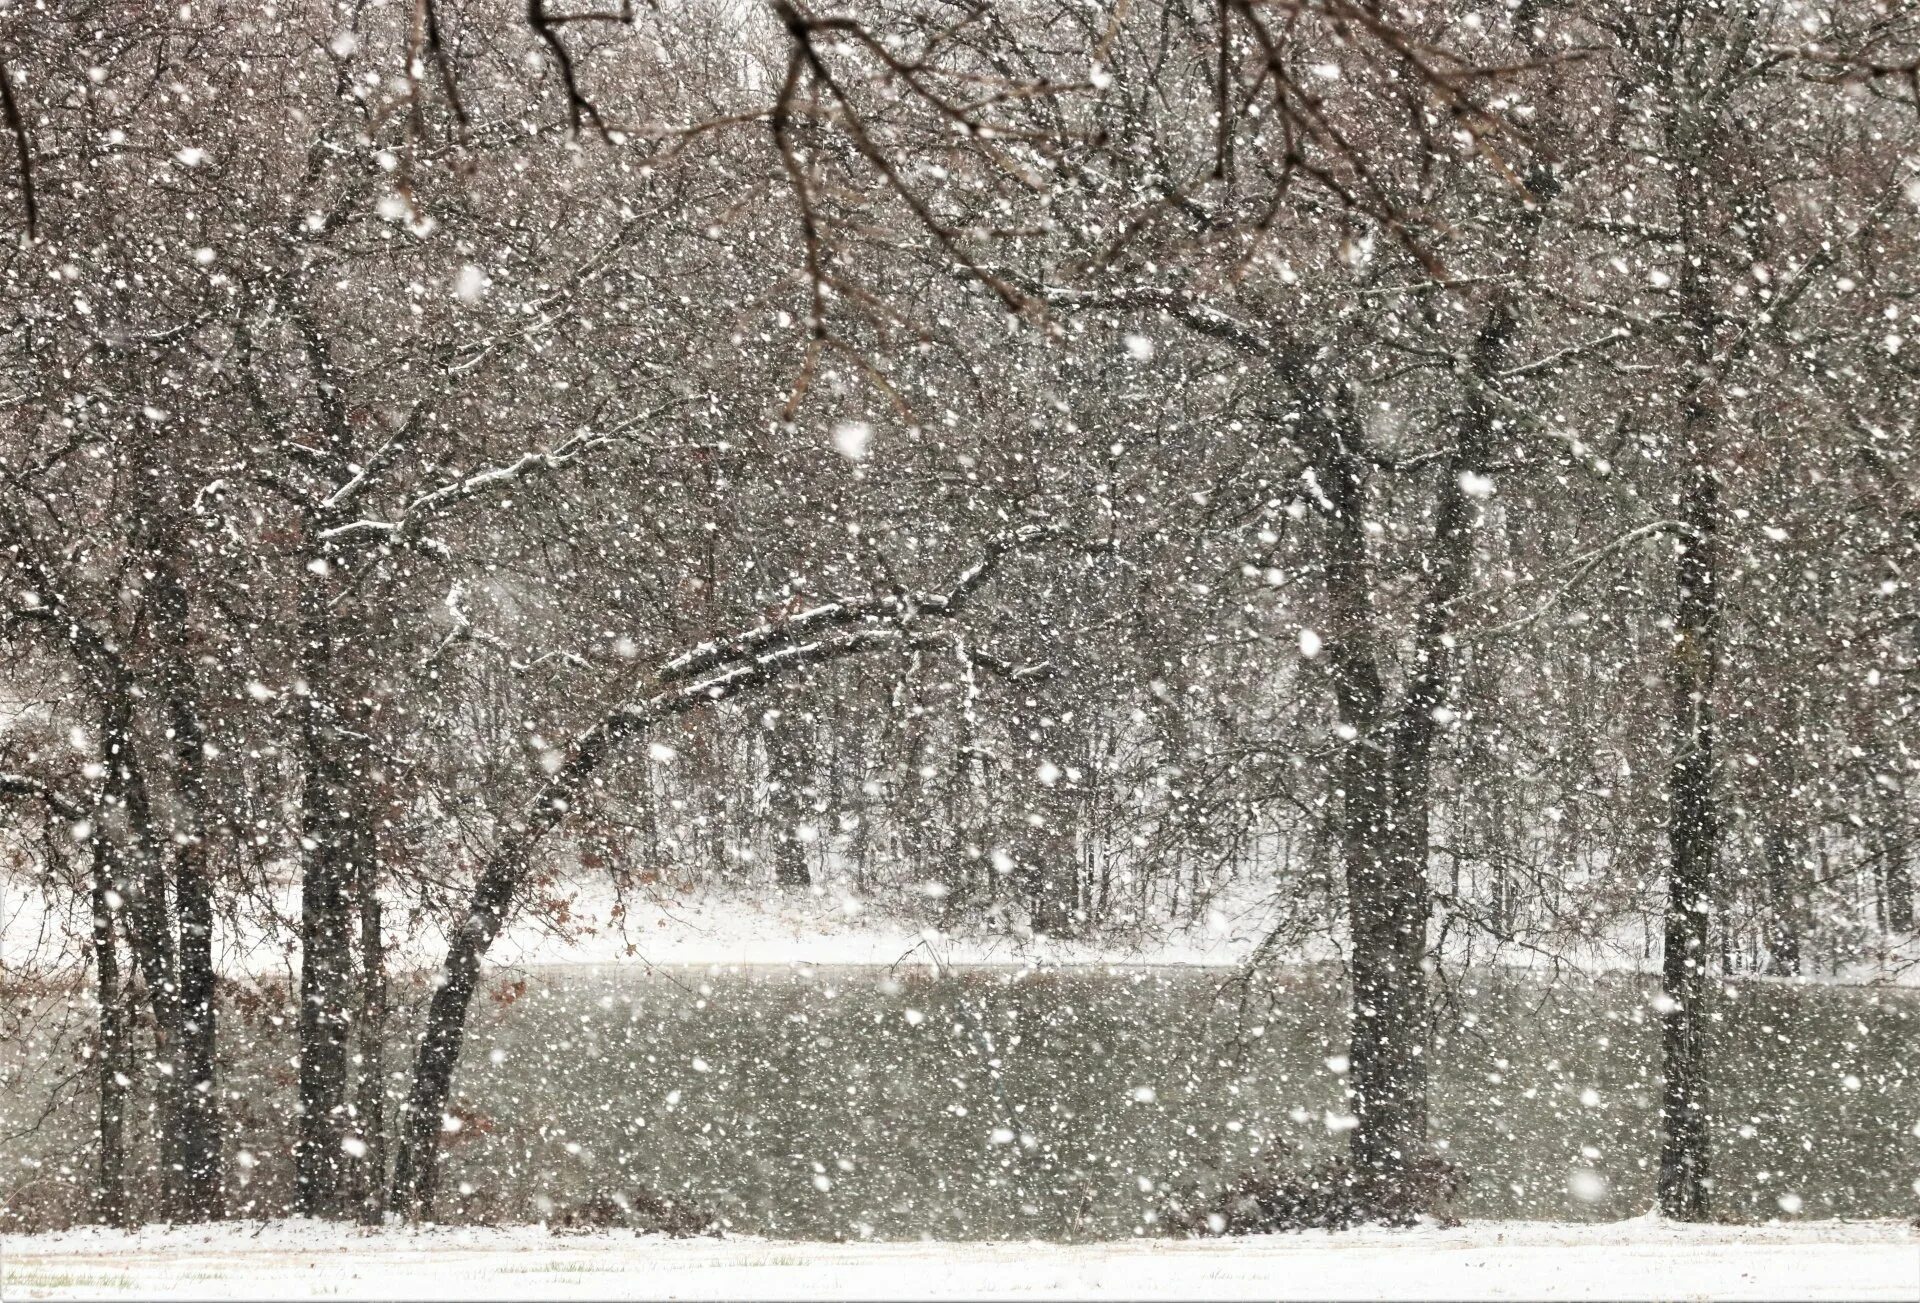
column 837, row 927
column 1642, row 1258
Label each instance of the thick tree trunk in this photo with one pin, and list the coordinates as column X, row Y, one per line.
column 112, row 1204
column 1387, row 906
column 193, row 897
column 325, row 984
column 201, row 1197
column 326, row 967
column 141, row 882
column 1386, row 778
column 1685, row 1176
column 370, row 1086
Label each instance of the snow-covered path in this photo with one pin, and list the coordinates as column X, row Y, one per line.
column 1627, row 1260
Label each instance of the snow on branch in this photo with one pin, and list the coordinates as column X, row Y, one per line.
column 58, row 802
column 852, row 610
column 429, row 505
column 726, row 667
column 1577, row 571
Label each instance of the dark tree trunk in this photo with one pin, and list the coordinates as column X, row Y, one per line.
column 1387, row 912
column 145, row 918
column 1783, row 840
column 193, row 897
column 1386, row 777
column 1685, row 1177
column 1388, row 941
column 201, row 1197
column 326, row 963
column 115, row 1065
column 416, row 1165
column 416, row 1168
column 137, row 865
column 1899, row 890
column 370, row 1087
column 1786, row 898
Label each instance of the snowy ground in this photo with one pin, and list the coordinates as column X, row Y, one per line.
column 1643, row 1258
column 695, row 927
column 826, row 926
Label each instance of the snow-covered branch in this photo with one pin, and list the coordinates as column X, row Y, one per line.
column 852, row 610
column 418, row 512
column 66, row 807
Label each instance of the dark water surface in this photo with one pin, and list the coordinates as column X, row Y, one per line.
column 1069, row 1102
column 1051, row 1104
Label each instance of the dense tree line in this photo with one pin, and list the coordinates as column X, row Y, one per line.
column 1450, row 469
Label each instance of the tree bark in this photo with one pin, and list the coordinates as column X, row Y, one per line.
column 1693, row 838
column 1783, row 854
column 1386, row 780
column 112, row 1205
column 193, row 897
column 328, row 841
column 370, row 1086
column 1693, row 825
column 141, row 882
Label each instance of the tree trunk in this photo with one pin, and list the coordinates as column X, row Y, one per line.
column 1386, row 777
column 1047, row 862
column 193, row 897
column 1693, row 827
column 198, row 1168
column 329, row 838
column 416, row 1168
column 115, row 1061
column 416, row 1161
column 142, row 886
column 370, row 1086
column 1899, row 890
column 1685, row 1177
column 1786, row 900
column 788, row 746
column 1896, row 875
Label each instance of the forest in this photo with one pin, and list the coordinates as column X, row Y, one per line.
column 1059, row 469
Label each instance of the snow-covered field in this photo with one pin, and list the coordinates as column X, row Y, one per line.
column 1642, row 1258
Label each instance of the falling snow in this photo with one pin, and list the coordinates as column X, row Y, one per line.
column 1010, row 645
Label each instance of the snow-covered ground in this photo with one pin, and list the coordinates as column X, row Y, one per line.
column 828, row 925
column 722, row 925
column 837, row 927
column 1642, row 1258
